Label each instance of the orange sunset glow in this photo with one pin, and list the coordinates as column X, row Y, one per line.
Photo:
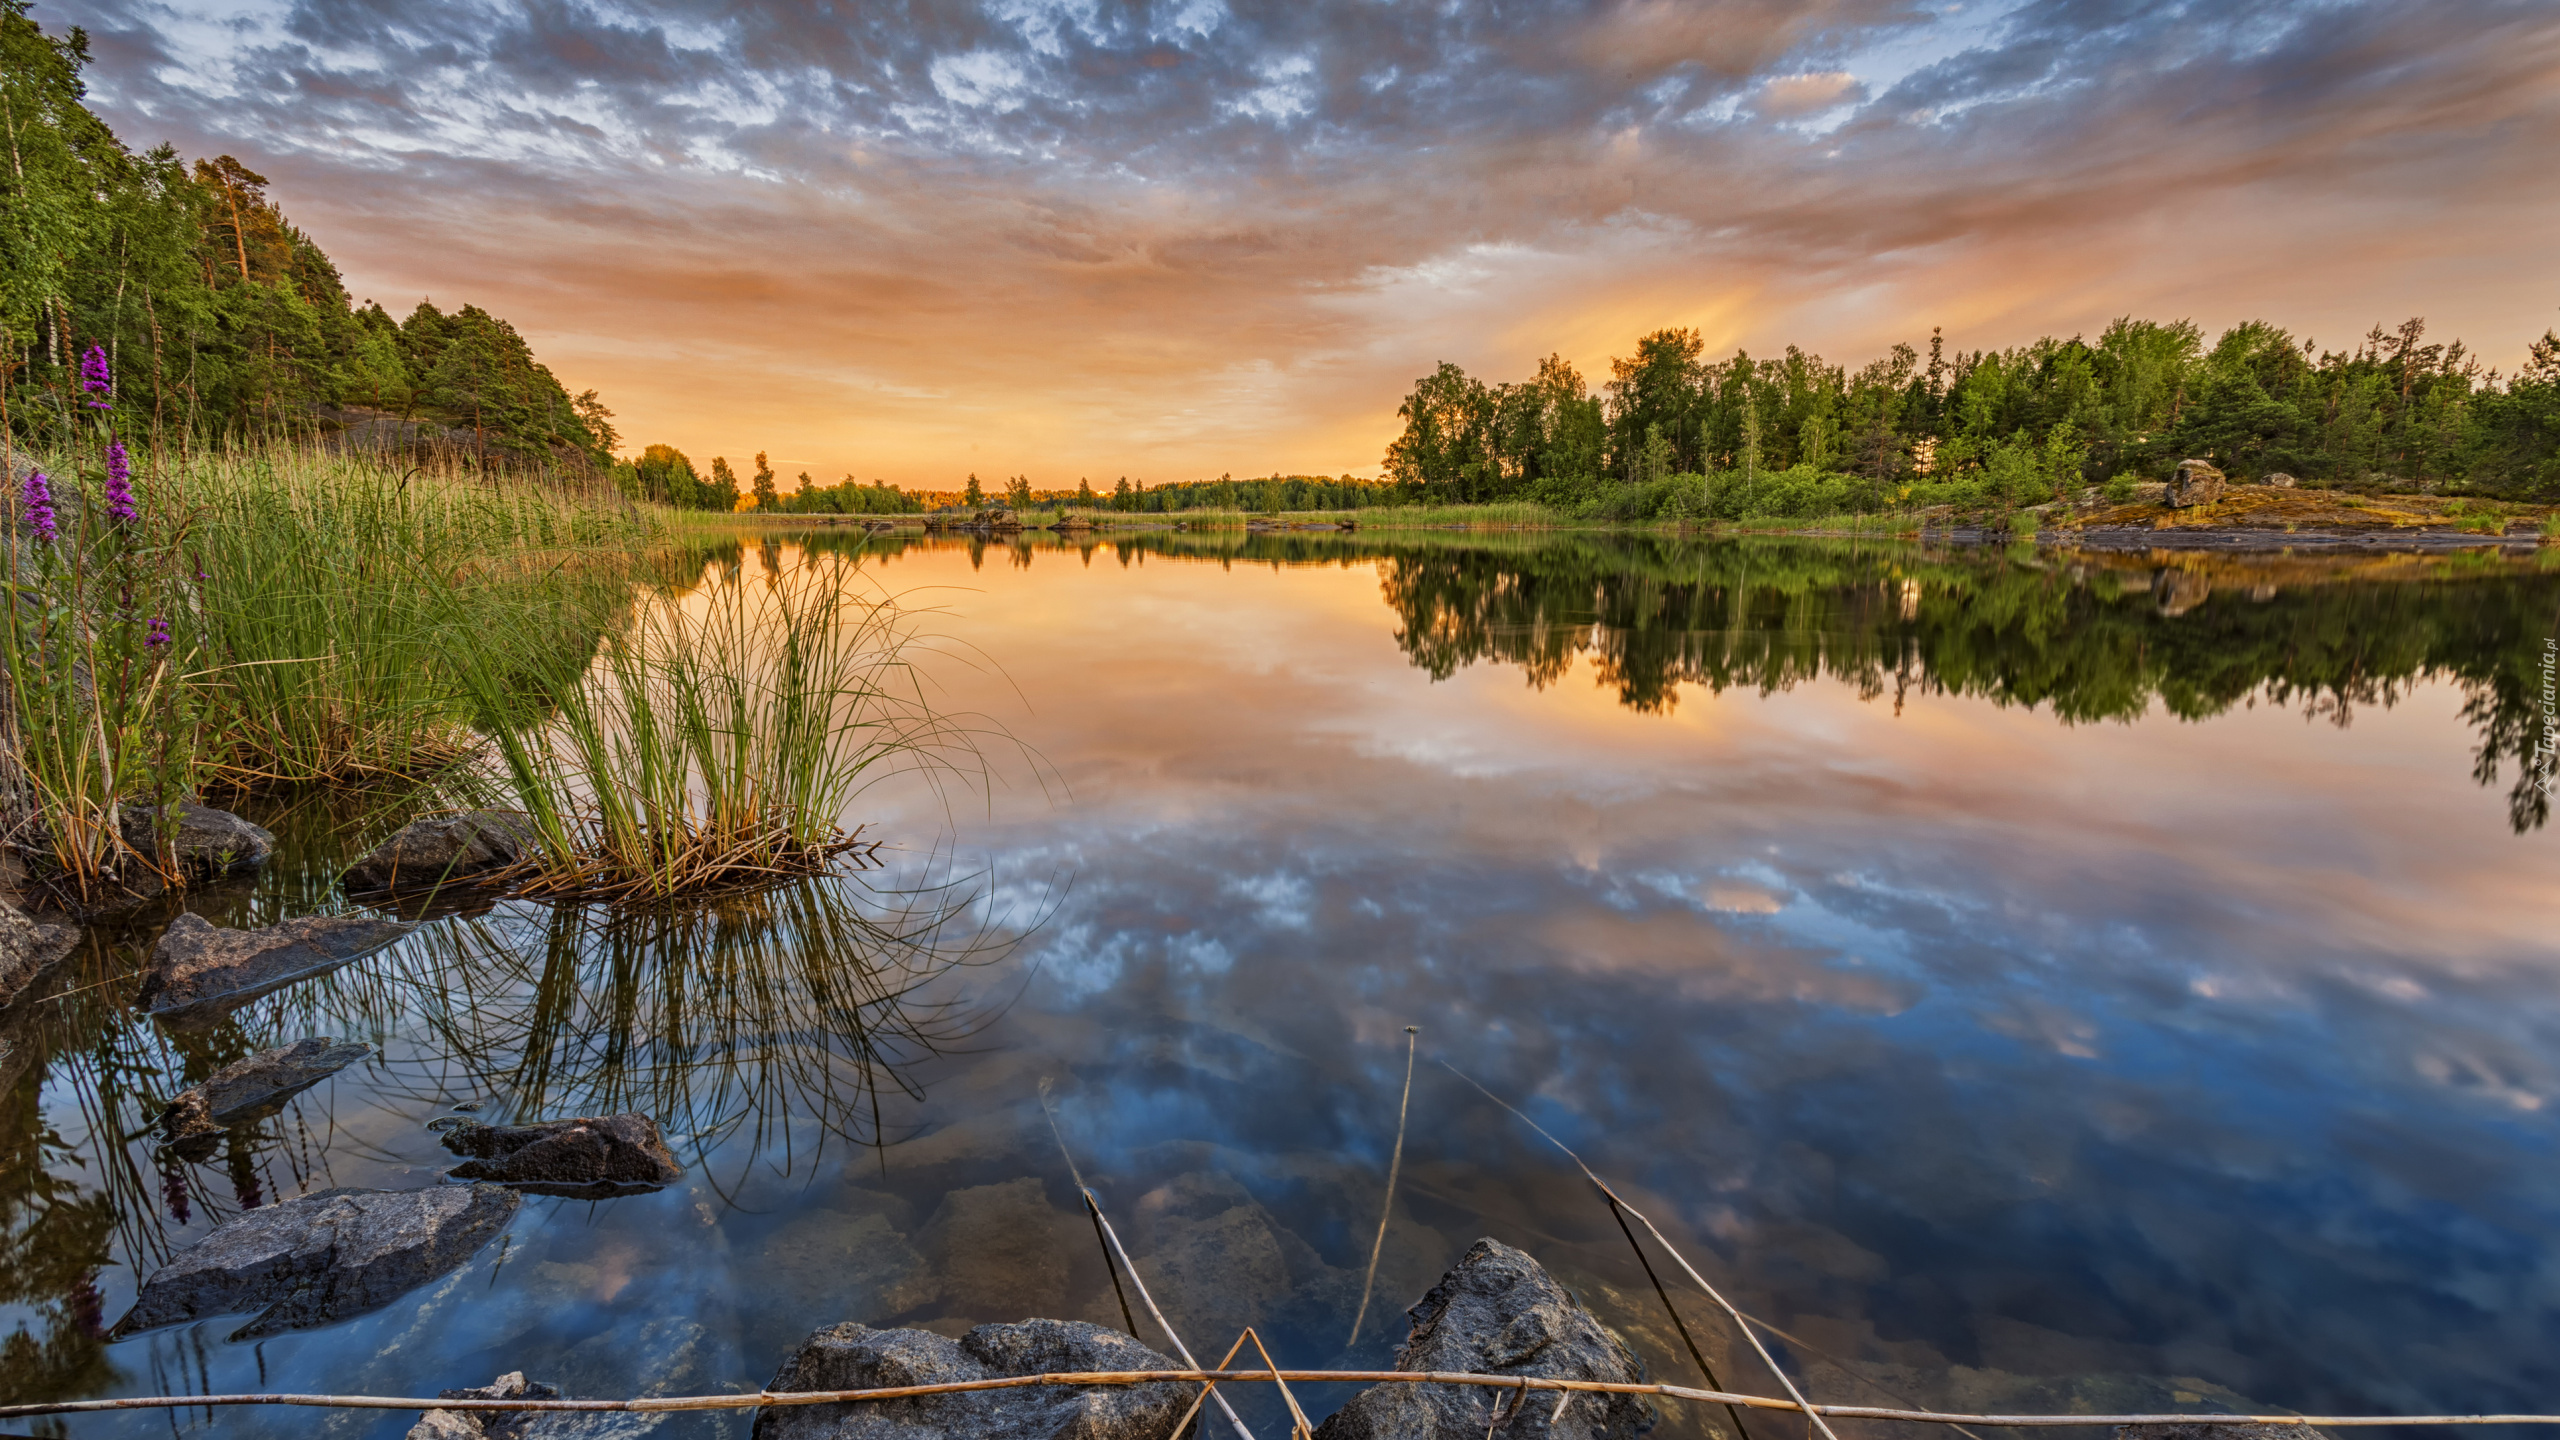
column 1173, row 240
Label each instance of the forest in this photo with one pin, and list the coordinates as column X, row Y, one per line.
column 1671, row 432
column 217, row 317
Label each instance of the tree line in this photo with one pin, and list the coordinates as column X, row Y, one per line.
column 1671, row 429
column 218, row 316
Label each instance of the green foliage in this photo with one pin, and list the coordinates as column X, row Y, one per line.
column 1991, row 429
column 220, row 317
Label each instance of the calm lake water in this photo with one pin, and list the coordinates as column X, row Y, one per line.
column 2027, row 984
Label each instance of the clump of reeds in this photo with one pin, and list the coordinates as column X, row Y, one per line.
column 719, row 739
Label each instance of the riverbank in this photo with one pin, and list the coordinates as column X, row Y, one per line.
column 2247, row 518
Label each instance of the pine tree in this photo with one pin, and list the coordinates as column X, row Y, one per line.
column 767, row 498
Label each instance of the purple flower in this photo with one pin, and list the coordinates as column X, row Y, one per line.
column 97, row 379
column 39, row 506
column 119, row 484
column 159, row 635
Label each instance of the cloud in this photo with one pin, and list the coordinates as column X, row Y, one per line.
column 1174, row 240
column 1787, row 97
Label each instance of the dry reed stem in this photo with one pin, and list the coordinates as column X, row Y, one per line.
column 1387, row 1206
column 1112, row 1238
column 751, row 1399
column 1812, row 1412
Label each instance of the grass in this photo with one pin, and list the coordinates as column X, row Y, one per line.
column 344, row 598
column 719, row 739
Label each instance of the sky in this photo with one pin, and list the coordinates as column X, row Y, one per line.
column 1097, row 238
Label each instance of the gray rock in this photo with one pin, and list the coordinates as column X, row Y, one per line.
column 318, row 1259
column 247, row 1089
column 2196, row 482
column 208, row 842
column 2281, row 481
column 1498, row 1312
column 442, row 848
column 857, row 1357
column 600, row 1152
column 199, row 971
column 28, row 950
column 2218, row 1432
column 485, row 1424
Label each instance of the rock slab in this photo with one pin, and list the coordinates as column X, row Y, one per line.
column 248, row 1088
column 443, row 848
column 318, row 1259
column 2196, row 482
column 485, row 1424
column 857, row 1357
column 199, row 970
column 28, row 950
column 1498, row 1312
column 208, row 842
column 595, row 1151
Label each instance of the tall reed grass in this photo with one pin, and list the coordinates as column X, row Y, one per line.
column 720, row 737
column 344, row 598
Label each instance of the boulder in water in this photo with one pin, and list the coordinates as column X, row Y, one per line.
column 249, row 1088
column 485, row 1424
column 208, row 842
column 443, row 848
column 600, row 1153
column 857, row 1357
column 1498, row 1312
column 199, row 971
column 28, row 950
column 318, row 1259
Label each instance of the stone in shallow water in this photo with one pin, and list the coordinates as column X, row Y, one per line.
column 208, row 842
column 857, row 1357
column 443, row 848
column 1498, row 1312
column 249, row 1088
column 591, row 1153
column 28, row 950
column 318, row 1259
column 485, row 1424
column 199, row 971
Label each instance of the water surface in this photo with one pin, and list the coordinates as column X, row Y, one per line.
column 2025, row 983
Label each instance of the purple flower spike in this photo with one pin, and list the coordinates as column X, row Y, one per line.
column 39, row 506
column 159, row 635
column 97, row 379
column 119, row 484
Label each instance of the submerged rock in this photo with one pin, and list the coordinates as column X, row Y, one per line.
column 247, row 1089
column 485, row 1424
column 600, row 1152
column 28, row 950
column 199, row 971
column 208, row 842
column 443, row 848
column 857, row 1357
column 1002, row 1249
column 2196, row 482
column 318, row 1259
column 1498, row 1312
